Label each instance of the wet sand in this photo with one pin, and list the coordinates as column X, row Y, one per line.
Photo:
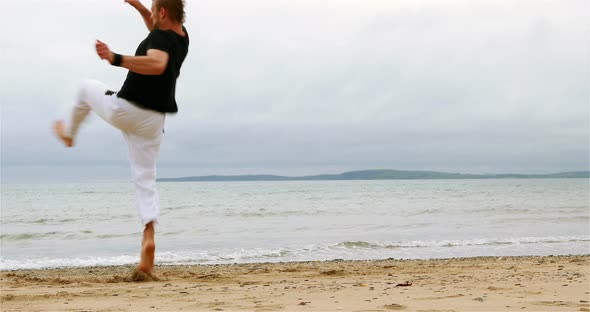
column 559, row 283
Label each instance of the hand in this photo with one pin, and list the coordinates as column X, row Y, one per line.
column 103, row 51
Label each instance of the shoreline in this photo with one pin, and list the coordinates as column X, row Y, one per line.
column 172, row 266
column 507, row 283
column 204, row 264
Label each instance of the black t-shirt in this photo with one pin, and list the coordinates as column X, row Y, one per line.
column 156, row 92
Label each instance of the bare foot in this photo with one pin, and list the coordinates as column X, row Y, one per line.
column 148, row 250
column 58, row 130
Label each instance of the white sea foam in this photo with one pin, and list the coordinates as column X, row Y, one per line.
column 344, row 250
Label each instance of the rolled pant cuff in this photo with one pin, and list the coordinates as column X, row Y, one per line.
column 145, row 221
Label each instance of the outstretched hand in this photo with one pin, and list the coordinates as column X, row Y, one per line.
column 103, row 51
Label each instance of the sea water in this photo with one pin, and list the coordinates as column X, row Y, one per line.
column 69, row 225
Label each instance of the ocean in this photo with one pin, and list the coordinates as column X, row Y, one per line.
column 96, row 224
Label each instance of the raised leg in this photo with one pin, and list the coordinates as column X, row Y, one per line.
column 92, row 95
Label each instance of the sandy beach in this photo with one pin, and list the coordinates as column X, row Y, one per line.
column 552, row 283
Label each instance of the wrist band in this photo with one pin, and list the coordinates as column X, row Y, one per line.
column 117, row 60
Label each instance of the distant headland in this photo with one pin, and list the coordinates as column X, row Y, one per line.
column 380, row 175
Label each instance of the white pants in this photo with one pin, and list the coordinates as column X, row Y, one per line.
column 142, row 130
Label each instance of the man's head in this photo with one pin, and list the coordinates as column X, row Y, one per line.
column 167, row 11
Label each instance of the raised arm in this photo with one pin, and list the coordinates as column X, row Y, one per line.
column 145, row 13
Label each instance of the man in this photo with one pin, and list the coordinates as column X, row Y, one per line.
column 139, row 108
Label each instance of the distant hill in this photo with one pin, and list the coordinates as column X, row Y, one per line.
column 381, row 175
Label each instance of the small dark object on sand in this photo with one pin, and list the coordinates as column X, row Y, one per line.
column 404, row 284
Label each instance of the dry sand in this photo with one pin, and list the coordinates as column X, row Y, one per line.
column 558, row 283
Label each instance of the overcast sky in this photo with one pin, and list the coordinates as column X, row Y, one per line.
column 313, row 86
